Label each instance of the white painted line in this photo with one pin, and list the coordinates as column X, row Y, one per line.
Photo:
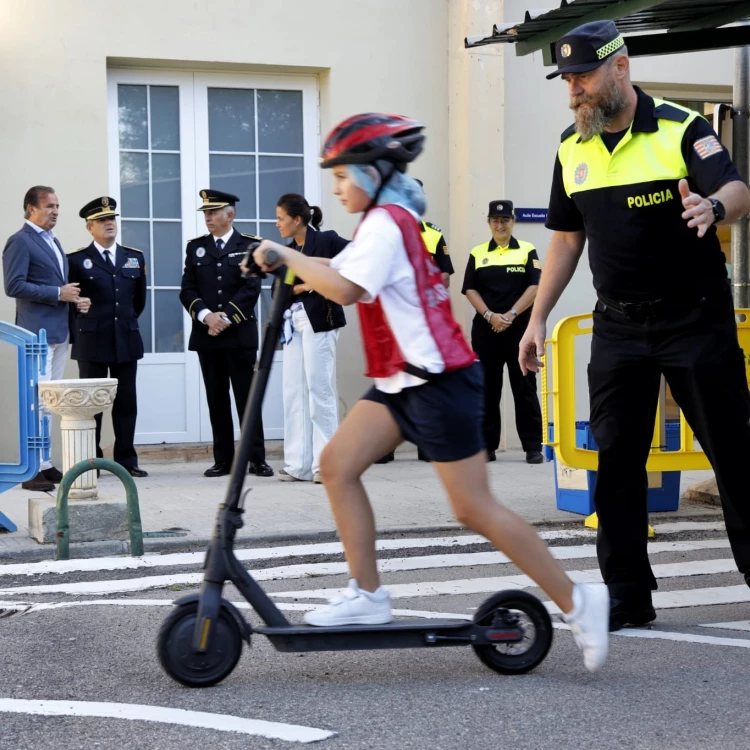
column 95, row 588
column 664, row 635
column 676, row 527
column 267, row 553
column 739, row 625
column 487, row 585
column 159, row 714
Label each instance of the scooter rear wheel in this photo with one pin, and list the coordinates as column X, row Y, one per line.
column 515, row 609
column 179, row 660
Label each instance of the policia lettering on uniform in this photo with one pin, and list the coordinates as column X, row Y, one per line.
column 664, row 302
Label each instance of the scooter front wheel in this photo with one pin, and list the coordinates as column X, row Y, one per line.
column 515, row 609
column 174, row 646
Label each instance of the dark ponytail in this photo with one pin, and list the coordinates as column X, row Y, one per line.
column 295, row 205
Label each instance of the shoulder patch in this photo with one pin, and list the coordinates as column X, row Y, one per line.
column 670, row 112
column 134, row 249
column 434, row 226
column 567, row 133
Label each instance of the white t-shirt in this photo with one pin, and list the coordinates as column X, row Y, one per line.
column 376, row 260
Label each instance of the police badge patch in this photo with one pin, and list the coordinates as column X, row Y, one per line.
column 707, row 146
column 200, row 252
column 582, row 172
column 87, row 264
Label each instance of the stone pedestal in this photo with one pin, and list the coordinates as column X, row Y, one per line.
column 77, row 402
column 91, row 519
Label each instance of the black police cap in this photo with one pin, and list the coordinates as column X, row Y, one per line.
column 586, row 47
column 501, row 208
column 99, row 208
column 213, row 199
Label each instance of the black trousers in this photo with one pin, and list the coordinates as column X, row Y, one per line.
column 124, row 407
column 495, row 351
column 220, row 367
column 698, row 353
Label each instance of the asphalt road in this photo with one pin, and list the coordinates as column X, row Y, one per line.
column 676, row 685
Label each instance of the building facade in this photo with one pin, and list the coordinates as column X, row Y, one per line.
column 151, row 102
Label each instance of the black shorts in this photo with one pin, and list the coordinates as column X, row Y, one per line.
column 443, row 417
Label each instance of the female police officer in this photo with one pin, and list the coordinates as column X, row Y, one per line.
column 501, row 280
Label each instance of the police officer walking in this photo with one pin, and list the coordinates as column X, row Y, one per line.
column 501, row 281
column 645, row 182
column 106, row 338
column 225, row 335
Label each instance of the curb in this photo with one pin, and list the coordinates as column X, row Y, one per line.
column 152, row 546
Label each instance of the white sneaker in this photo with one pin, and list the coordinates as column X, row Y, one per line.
column 317, row 478
column 353, row 607
column 589, row 623
column 285, row 476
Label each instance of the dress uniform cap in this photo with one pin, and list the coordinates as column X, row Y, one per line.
column 501, row 208
column 99, row 208
column 216, row 199
column 586, row 47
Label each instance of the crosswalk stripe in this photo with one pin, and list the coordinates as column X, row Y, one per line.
column 302, row 550
column 739, row 625
column 90, row 588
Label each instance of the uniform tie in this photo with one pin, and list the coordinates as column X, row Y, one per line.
column 219, row 244
column 108, row 258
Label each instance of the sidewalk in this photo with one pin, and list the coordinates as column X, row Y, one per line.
column 177, row 499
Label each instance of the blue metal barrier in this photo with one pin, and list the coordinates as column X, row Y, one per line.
column 33, row 432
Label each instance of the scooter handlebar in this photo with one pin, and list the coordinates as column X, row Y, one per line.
column 253, row 269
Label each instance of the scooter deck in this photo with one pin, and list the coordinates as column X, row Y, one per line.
column 395, row 634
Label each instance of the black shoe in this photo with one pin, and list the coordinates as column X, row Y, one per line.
column 53, row 475
column 491, row 456
column 534, row 457
column 387, row 458
column 217, row 470
column 134, row 471
column 39, row 484
column 260, row 470
column 622, row 613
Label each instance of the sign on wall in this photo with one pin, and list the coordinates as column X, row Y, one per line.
column 529, row 215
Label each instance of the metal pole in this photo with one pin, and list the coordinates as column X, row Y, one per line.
column 741, row 158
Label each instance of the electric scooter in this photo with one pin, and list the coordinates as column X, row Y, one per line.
column 201, row 640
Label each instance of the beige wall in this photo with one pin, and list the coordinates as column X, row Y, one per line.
column 369, row 55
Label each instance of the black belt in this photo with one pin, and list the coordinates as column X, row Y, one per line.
column 640, row 312
column 421, row 373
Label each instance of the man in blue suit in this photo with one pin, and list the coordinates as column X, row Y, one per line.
column 35, row 272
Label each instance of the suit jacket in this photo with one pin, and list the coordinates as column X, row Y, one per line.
column 324, row 315
column 31, row 275
column 109, row 331
column 212, row 280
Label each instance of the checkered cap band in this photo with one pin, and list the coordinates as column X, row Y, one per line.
column 610, row 47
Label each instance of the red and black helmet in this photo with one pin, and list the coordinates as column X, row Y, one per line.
column 363, row 139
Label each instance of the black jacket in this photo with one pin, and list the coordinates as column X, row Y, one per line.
column 213, row 280
column 108, row 332
column 324, row 315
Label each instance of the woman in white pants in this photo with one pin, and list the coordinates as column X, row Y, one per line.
column 311, row 329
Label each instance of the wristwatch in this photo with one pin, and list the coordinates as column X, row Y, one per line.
column 515, row 314
column 719, row 210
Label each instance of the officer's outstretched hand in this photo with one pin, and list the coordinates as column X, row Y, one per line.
column 698, row 210
column 531, row 348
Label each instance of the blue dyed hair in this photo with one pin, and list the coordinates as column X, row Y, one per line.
column 400, row 189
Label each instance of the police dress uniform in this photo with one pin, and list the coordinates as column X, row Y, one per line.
column 212, row 280
column 106, row 340
column 664, row 307
column 500, row 275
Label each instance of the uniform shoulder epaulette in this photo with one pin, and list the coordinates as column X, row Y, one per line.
column 567, row 133
column 80, row 249
column 434, row 226
column 134, row 249
column 670, row 112
column 195, row 239
column 253, row 237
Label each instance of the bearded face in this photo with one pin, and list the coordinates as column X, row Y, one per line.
column 595, row 111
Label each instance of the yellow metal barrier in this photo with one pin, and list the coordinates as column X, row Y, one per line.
column 561, row 348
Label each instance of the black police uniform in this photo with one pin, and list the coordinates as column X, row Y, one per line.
column 106, row 340
column 212, row 280
column 437, row 247
column 665, row 307
column 500, row 276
